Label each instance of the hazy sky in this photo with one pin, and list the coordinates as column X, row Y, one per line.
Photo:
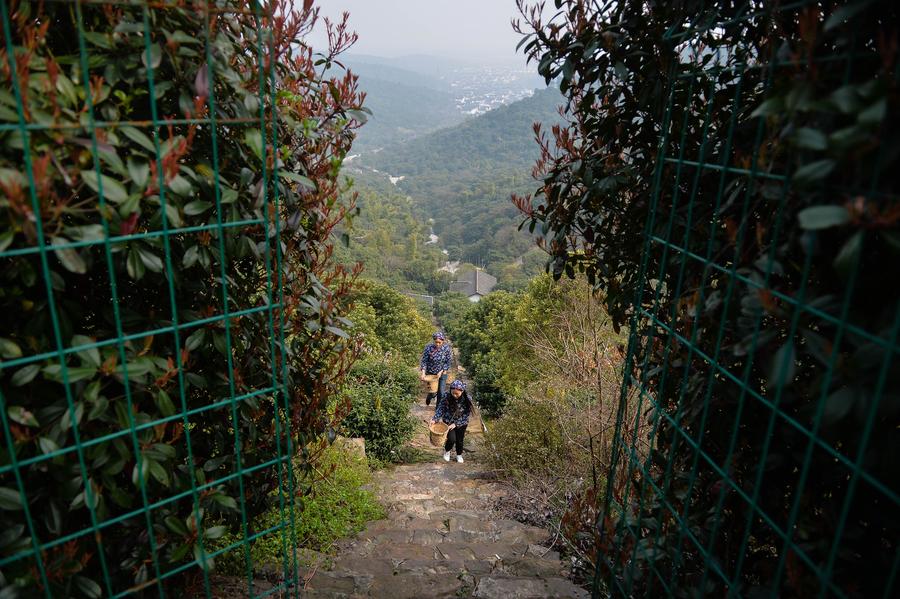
column 473, row 30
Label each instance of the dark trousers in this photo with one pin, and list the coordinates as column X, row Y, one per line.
column 455, row 437
column 441, row 382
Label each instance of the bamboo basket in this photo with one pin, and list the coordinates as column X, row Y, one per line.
column 437, row 433
column 430, row 384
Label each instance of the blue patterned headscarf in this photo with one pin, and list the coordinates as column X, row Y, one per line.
column 438, row 335
column 458, row 384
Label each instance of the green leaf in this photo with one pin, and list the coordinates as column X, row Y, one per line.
column 134, row 265
column 88, row 587
column 874, row 114
column 771, row 106
column 813, row 171
column 69, row 257
column 176, row 525
column 159, row 473
column 811, row 139
column 10, row 499
column 181, row 37
column 47, row 445
column 9, row 349
column 91, row 355
column 11, row 535
column 214, row 532
column 838, row 405
column 6, row 239
column 845, row 99
column 229, row 196
column 253, row 139
column 181, row 186
column 225, row 501
column 198, row 555
column 153, row 262
column 164, row 403
column 339, row 332
column 823, row 217
column 155, row 53
column 138, row 137
column 25, row 375
column 139, row 171
column 138, row 474
column 101, row 40
column 197, row 207
column 22, row 416
column 190, row 258
column 112, row 190
column 783, row 367
column 74, row 373
column 65, row 87
column 847, row 258
column 65, row 423
column 303, row 181
column 195, row 340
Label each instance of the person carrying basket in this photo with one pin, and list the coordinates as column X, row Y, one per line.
column 436, row 361
column 453, row 409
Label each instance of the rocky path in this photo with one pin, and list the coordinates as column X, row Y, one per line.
column 441, row 538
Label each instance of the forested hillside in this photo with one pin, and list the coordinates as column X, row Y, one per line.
column 501, row 139
column 404, row 105
column 389, row 238
column 462, row 178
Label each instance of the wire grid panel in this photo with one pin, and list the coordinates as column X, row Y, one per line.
column 142, row 395
column 762, row 355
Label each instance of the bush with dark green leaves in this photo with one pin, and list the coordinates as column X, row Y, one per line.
column 379, row 394
column 168, row 310
column 390, row 322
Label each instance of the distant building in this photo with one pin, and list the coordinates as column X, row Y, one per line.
column 474, row 284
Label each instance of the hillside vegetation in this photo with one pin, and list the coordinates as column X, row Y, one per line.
column 462, row 178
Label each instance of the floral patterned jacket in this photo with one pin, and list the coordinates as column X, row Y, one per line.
column 453, row 414
column 436, row 359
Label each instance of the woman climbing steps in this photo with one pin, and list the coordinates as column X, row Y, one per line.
column 454, row 408
column 437, row 358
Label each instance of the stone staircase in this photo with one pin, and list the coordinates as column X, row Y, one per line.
column 442, row 539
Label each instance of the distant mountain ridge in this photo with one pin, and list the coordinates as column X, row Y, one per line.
column 502, row 139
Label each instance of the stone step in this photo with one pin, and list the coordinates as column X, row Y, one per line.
column 425, row 580
column 495, row 587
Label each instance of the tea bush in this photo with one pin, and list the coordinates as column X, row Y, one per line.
column 380, row 394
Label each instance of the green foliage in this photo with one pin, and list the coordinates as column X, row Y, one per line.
column 481, row 337
column 389, row 237
column 729, row 195
column 390, row 322
column 148, row 285
column 333, row 504
column 527, row 439
column 450, row 309
column 550, row 331
column 379, row 394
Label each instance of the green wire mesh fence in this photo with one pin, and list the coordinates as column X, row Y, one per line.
column 144, row 411
column 762, row 367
